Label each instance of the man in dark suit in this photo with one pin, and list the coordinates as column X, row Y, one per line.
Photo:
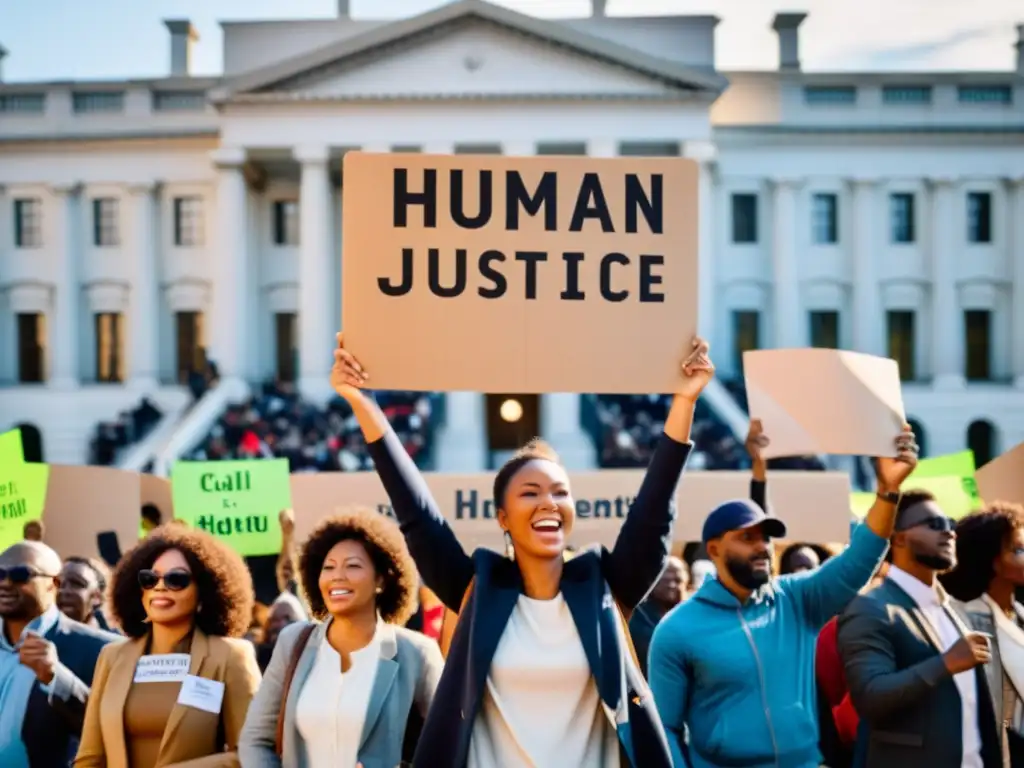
column 666, row 595
column 46, row 662
column 914, row 669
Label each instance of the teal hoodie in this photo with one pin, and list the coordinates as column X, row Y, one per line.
column 738, row 679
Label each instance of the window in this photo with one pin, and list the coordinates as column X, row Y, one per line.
column 23, row 103
column 109, row 327
column 179, row 101
column 105, row 222
column 907, row 94
column 28, row 223
column 406, row 149
column 985, row 94
column 287, row 338
column 981, row 439
column 188, row 221
column 830, row 95
column 978, row 342
column 286, row 222
column 901, row 341
column 979, row 217
column 746, row 333
column 562, row 148
column 825, row 329
column 901, row 206
column 478, row 149
column 744, row 218
column 97, row 101
column 649, row 149
column 825, row 218
column 191, row 345
column 31, row 348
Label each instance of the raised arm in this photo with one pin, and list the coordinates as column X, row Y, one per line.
column 644, row 542
column 755, row 441
column 445, row 567
column 827, row 591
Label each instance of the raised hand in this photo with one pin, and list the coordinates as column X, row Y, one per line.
column 756, row 440
column 347, row 376
column 697, row 370
column 891, row 472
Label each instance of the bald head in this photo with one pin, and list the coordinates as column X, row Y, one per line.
column 28, row 587
column 32, row 553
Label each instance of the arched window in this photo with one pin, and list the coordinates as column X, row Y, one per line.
column 31, row 443
column 920, row 435
column 981, row 438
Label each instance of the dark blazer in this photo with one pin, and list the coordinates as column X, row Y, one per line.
column 590, row 581
column 53, row 724
column 908, row 703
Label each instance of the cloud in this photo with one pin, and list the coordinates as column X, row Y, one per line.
column 954, row 50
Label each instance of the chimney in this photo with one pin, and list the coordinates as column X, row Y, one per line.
column 183, row 34
column 599, row 8
column 343, row 9
column 787, row 26
column 1020, row 49
column 3, row 55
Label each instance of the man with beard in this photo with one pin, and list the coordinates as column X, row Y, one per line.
column 46, row 662
column 667, row 594
column 914, row 669
column 732, row 668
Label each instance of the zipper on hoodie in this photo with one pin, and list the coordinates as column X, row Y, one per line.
column 760, row 677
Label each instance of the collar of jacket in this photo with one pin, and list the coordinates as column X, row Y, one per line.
column 714, row 592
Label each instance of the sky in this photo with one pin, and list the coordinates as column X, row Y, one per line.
column 97, row 39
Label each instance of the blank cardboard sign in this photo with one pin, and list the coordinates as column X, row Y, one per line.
column 824, row 401
column 519, row 274
column 83, row 501
column 1002, row 479
column 814, row 505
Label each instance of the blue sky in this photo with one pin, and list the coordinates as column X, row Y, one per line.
column 79, row 39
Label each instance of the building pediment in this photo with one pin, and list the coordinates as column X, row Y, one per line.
column 471, row 49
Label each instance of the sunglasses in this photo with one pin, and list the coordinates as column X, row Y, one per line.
column 21, row 574
column 937, row 524
column 175, row 579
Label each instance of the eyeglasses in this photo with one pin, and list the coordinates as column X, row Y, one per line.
column 175, row 579
column 21, row 574
column 934, row 523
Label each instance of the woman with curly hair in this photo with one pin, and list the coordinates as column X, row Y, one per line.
column 540, row 670
column 990, row 568
column 353, row 688
column 178, row 691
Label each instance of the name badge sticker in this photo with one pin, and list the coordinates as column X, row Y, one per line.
column 162, row 668
column 198, row 692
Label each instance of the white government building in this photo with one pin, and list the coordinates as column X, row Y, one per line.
column 144, row 220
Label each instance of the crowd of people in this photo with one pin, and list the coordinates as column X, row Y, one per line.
column 278, row 422
column 131, row 426
column 389, row 645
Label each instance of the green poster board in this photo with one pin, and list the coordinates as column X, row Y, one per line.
column 22, row 489
column 949, row 492
column 951, row 465
column 237, row 501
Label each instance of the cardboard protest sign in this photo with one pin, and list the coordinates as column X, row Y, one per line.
column 22, row 489
column 519, row 274
column 814, row 401
column 1002, row 479
column 237, row 501
column 82, row 502
column 814, row 505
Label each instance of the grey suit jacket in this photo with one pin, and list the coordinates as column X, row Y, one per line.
column 409, row 668
column 908, row 703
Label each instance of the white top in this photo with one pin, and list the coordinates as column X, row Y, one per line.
column 332, row 706
column 927, row 599
column 541, row 708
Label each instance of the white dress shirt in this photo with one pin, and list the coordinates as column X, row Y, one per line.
column 935, row 610
column 331, row 709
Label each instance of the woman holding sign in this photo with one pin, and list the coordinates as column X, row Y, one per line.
column 540, row 670
column 179, row 690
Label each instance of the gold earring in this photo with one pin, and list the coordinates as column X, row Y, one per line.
column 510, row 550
column 379, row 590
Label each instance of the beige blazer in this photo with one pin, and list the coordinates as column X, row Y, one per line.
column 191, row 736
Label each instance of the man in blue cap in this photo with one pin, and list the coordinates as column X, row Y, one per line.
column 732, row 669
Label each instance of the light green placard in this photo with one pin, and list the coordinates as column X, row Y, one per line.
column 951, row 465
column 860, row 503
column 237, row 501
column 22, row 498
column 11, row 453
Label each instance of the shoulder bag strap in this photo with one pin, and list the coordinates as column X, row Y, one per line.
column 300, row 645
column 451, row 621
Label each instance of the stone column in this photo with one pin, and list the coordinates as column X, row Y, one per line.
column 1016, row 256
column 705, row 153
column 317, row 324
column 866, row 305
column 66, row 322
column 230, row 321
column 947, row 332
column 786, row 287
column 145, row 308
